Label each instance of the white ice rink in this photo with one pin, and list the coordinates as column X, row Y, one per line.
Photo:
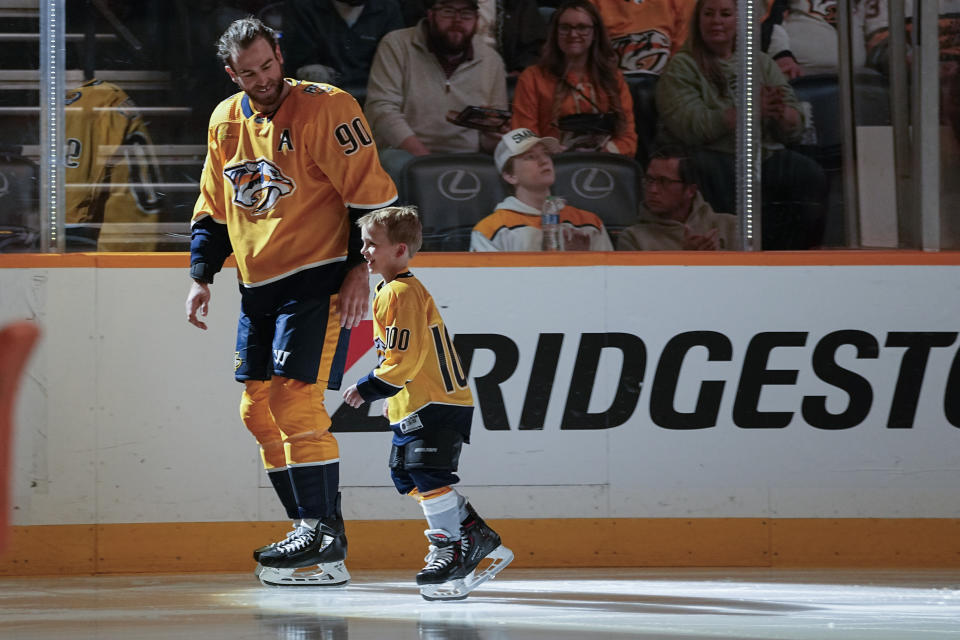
column 675, row 604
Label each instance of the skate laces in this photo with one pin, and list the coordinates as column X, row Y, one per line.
column 297, row 540
column 440, row 557
column 290, row 534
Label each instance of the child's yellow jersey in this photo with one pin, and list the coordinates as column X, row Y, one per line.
column 418, row 363
column 281, row 183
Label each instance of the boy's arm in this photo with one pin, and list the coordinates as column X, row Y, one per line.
column 372, row 388
column 404, row 347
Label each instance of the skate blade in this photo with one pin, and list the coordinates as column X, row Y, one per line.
column 450, row 590
column 331, row 574
column 492, row 564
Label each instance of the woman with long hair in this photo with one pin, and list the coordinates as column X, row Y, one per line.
column 576, row 93
column 696, row 99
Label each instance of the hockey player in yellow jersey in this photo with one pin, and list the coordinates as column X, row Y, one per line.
column 289, row 166
column 111, row 171
column 429, row 406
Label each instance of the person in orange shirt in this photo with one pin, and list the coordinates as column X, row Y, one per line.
column 576, row 93
column 645, row 33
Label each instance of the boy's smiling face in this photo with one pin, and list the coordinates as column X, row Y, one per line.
column 384, row 258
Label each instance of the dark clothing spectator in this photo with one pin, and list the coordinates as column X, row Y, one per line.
column 315, row 33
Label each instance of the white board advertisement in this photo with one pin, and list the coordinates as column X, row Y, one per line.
column 602, row 391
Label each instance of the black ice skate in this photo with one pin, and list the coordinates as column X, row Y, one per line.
column 483, row 558
column 260, row 550
column 444, row 561
column 309, row 557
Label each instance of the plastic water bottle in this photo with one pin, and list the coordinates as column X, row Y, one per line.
column 550, row 223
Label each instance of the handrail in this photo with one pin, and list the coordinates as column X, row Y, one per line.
column 31, row 79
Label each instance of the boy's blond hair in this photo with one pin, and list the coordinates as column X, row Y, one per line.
column 402, row 224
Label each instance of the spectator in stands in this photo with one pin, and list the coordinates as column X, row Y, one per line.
column 696, row 100
column 515, row 28
column 334, row 41
column 814, row 41
column 674, row 216
column 775, row 41
column 877, row 17
column 421, row 73
column 199, row 80
column 645, row 34
column 576, row 93
column 524, row 162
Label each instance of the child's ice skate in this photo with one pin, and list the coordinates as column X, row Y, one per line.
column 444, row 565
column 308, row 557
column 478, row 544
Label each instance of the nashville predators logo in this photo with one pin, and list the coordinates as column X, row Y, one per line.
column 381, row 348
column 645, row 52
column 827, row 9
column 258, row 184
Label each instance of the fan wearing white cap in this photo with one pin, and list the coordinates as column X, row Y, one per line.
column 525, row 163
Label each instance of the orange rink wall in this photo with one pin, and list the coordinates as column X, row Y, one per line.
column 542, row 542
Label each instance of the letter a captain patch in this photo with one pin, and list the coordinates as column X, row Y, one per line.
column 285, row 141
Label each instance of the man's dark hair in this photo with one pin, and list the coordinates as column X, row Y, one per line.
column 241, row 34
column 687, row 168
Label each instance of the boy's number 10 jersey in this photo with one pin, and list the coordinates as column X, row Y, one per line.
column 418, row 365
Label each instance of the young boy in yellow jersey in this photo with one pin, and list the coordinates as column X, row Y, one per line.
column 429, row 406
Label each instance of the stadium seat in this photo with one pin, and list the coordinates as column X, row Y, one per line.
column 643, row 91
column 605, row 183
column 822, row 91
column 19, row 188
column 453, row 191
column 871, row 108
column 16, row 344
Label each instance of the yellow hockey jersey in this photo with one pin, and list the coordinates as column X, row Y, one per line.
column 110, row 168
column 281, row 183
column 418, row 363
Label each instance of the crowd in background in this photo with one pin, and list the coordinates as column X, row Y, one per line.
column 571, row 73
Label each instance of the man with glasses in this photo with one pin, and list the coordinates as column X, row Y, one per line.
column 674, row 216
column 515, row 28
column 421, row 73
